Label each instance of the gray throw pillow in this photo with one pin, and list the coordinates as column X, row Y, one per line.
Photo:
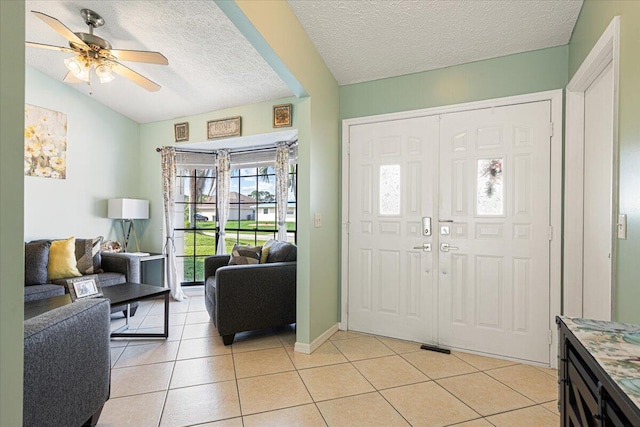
column 243, row 255
column 36, row 260
column 281, row 251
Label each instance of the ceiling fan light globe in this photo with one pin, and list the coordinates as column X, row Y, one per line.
column 78, row 68
column 103, row 70
column 73, row 65
column 107, row 78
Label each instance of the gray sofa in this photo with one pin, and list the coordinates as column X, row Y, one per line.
column 110, row 269
column 67, row 365
column 251, row 297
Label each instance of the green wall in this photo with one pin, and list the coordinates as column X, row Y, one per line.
column 594, row 18
column 11, row 211
column 275, row 32
column 256, row 119
column 102, row 163
column 517, row 74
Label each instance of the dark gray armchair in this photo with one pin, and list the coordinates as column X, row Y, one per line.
column 251, row 297
column 66, row 365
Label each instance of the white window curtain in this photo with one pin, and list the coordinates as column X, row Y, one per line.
column 224, row 184
column 282, row 188
column 168, row 191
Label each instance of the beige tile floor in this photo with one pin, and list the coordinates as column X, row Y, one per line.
column 351, row 380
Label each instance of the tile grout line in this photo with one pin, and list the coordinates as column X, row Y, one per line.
column 519, row 392
column 166, row 392
column 374, row 387
column 235, row 376
column 313, row 401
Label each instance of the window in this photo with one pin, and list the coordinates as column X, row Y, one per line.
column 195, row 215
column 252, row 211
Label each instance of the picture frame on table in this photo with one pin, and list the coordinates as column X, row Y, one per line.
column 282, row 115
column 84, row 287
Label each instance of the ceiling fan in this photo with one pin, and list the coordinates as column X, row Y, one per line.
column 93, row 52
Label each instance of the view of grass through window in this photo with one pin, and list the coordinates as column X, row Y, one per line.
column 252, row 215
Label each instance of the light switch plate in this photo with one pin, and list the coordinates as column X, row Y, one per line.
column 317, row 220
column 622, row 226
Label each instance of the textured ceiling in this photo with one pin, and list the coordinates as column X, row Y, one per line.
column 211, row 65
column 374, row 39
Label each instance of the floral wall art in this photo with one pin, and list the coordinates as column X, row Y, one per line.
column 45, row 142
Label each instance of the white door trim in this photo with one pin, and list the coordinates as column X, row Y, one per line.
column 555, row 97
column 606, row 51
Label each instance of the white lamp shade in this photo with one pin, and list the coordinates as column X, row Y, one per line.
column 128, row 209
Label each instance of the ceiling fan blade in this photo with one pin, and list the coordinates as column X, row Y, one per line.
column 50, row 47
column 61, row 29
column 139, row 56
column 135, row 77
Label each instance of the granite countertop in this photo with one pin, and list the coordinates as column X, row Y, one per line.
column 615, row 347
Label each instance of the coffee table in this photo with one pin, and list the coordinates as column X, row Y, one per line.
column 125, row 293
column 128, row 293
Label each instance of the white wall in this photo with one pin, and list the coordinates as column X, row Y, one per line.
column 102, row 163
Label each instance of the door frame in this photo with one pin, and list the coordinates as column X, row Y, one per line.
column 555, row 268
column 606, row 51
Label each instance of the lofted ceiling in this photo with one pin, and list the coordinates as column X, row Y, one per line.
column 212, row 66
column 375, row 39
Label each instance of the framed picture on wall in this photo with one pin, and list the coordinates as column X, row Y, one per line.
column 181, row 131
column 282, row 115
column 224, row 128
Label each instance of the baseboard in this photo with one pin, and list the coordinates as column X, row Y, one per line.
column 310, row 348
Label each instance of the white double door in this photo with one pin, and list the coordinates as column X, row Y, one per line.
column 478, row 279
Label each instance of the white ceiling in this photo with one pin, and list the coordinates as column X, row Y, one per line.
column 375, row 39
column 212, row 66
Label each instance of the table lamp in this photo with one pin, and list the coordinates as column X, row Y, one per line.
column 126, row 210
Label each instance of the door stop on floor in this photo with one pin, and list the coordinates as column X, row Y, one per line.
column 435, row 348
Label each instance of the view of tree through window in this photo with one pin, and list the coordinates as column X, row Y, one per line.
column 252, row 214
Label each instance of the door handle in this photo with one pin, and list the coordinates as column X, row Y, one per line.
column 444, row 247
column 426, row 247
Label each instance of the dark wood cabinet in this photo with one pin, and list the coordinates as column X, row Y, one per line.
column 589, row 395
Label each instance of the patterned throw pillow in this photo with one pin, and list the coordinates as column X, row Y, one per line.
column 243, row 255
column 88, row 255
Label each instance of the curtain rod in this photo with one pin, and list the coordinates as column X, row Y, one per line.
column 186, row 150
